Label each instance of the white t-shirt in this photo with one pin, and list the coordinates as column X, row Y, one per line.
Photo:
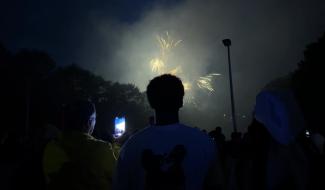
column 162, row 155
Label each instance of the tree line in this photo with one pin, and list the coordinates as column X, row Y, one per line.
column 35, row 90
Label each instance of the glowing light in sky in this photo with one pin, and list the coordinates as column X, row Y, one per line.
column 205, row 82
column 157, row 65
column 187, row 86
column 160, row 65
column 167, row 44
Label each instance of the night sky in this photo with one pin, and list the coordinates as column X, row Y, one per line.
column 116, row 39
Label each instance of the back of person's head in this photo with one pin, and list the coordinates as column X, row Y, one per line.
column 218, row 129
column 80, row 115
column 236, row 136
column 165, row 93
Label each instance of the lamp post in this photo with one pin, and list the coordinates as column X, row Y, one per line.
column 227, row 43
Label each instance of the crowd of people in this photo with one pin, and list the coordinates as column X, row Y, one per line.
column 283, row 147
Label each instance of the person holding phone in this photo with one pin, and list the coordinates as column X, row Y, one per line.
column 76, row 160
column 167, row 154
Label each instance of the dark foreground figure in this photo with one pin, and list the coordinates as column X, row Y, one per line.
column 76, row 160
column 167, row 155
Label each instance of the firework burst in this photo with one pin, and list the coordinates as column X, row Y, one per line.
column 157, row 65
column 160, row 65
column 204, row 82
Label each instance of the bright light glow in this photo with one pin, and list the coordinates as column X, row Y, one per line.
column 119, row 127
column 160, row 65
column 167, row 44
column 187, row 86
column 176, row 71
column 157, row 65
column 205, row 82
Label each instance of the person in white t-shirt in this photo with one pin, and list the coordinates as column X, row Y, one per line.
column 167, row 155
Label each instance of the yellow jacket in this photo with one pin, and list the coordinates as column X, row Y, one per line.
column 79, row 161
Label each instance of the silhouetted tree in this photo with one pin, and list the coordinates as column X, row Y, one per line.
column 35, row 92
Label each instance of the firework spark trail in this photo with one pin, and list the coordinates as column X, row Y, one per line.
column 157, row 65
column 205, row 82
column 166, row 45
column 187, row 86
column 176, row 71
column 160, row 66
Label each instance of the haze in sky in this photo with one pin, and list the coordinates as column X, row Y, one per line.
column 117, row 40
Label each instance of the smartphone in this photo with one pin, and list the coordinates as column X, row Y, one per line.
column 307, row 133
column 119, row 128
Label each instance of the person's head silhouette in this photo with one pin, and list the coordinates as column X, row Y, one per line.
column 165, row 95
column 80, row 116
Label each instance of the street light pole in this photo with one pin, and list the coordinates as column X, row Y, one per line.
column 227, row 43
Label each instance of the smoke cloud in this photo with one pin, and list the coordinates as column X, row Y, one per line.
column 268, row 40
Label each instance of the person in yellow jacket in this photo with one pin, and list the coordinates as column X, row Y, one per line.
column 76, row 160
